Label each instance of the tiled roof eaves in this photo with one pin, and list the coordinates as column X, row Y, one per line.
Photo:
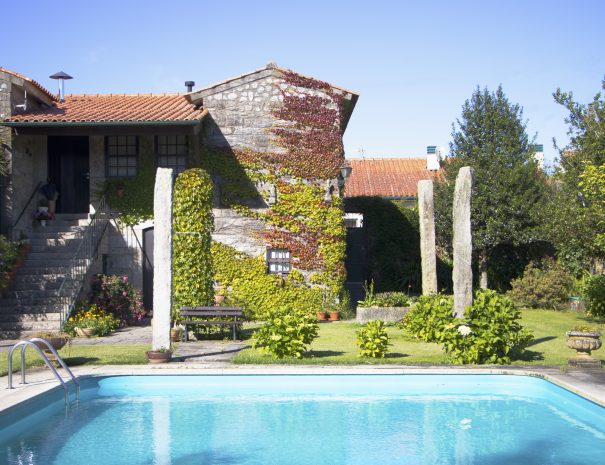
column 102, row 123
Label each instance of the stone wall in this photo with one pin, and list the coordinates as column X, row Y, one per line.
column 240, row 111
column 5, row 138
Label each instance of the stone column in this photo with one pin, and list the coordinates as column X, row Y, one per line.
column 426, row 210
column 463, row 246
column 162, row 258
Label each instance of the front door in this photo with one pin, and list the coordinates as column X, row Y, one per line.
column 68, row 169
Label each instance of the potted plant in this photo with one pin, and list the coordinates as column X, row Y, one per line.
column 584, row 339
column 219, row 293
column 43, row 216
column 57, row 339
column 162, row 355
column 176, row 332
column 322, row 315
column 120, row 189
column 334, row 313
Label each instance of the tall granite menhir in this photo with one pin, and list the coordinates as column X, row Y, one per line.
column 463, row 245
column 426, row 210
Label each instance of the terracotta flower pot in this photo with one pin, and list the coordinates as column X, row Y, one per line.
column 334, row 316
column 321, row 316
column 155, row 356
column 176, row 334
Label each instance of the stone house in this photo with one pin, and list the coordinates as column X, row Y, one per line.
column 88, row 144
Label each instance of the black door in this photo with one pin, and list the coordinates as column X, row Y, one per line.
column 68, row 169
column 148, row 268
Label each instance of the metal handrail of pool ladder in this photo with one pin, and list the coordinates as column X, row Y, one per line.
column 32, row 342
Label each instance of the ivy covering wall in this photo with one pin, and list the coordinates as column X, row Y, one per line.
column 192, row 227
column 309, row 152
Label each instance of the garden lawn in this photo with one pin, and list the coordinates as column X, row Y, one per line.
column 74, row 355
column 336, row 344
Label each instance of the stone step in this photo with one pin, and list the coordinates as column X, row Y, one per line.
column 11, row 308
column 29, row 326
column 57, row 235
column 41, row 285
column 24, row 317
column 70, row 247
column 58, row 255
column 38, row 269
column 51, row 242
column 13, row 302
column 17, row 335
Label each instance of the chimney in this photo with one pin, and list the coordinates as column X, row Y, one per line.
column 539, row 155
column 189, row 85
column 61, row 77
column 432, row 158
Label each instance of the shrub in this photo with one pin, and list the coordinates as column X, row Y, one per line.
column 286, row 333
column 593, row 291
column 372, row 339
column 488, row 333
column 119, row 297
column 92, row 317
column 428, row 317
column 544, row 286
column 391, row 299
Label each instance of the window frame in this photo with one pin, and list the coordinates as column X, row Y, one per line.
column 279, row 261
column 118, row 156
column 158, row 155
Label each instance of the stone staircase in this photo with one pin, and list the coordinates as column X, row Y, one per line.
column 32, row 303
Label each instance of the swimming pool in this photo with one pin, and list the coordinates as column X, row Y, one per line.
column 308, row 419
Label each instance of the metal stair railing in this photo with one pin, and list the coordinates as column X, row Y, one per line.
column 81, row 262
column 32, row 342
column 27, row 206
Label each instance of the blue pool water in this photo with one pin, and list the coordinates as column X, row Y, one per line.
column 309, row 419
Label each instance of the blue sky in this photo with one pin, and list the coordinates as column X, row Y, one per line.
column 414, row 63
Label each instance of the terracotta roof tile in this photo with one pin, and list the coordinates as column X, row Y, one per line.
column 31, row 81
column 112, row 108
column 386, row 177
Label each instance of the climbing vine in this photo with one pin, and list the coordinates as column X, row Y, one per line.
column 192, row 227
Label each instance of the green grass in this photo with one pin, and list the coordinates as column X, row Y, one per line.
column 336, row 344
column 74, row 355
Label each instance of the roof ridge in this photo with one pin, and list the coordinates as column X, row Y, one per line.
column 43, row 89
column 150, row 94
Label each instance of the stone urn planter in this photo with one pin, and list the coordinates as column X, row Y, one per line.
column 86, row 332
column 584, row 342
column 159, row 356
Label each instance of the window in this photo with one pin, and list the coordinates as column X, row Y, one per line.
column 278, row 261
column 171, row 152
column 121, row 155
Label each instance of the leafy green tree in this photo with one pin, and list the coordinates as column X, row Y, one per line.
column 575, row 218
column 508, row 188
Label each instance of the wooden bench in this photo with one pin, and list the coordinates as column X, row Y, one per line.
column 224, row 312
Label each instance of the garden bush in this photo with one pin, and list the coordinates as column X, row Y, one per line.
column 593, row 291
column 372, row 339
column 544, row 286
column 116, row 295
column 428, row 317
column 286, row 333
column 392, row 299
column 488, row 333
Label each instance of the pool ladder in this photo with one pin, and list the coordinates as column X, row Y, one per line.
column 32, row 342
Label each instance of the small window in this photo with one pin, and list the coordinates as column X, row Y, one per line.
column 278, row 261
column 171, row 152
column 121, row 156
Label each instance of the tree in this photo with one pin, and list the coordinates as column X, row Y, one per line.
column 509, row 187
column 575, row 221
